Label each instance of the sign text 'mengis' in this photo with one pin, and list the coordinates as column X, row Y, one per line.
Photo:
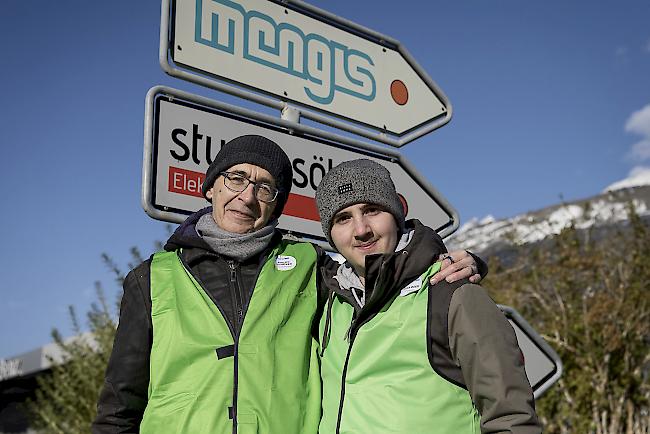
column 326, row 66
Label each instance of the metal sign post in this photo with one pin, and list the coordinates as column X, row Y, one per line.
column 291, row 51
column 184, row 132
column 543, row 365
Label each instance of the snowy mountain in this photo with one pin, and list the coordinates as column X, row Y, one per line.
column 609, row 207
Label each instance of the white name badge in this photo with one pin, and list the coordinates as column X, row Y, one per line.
column 285, row 263
column 411, row 287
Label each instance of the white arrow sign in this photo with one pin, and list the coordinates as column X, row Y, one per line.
column 299, row 53
column 543, row 365
column 185, row 132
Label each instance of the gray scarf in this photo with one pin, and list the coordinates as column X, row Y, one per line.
column 236, row 246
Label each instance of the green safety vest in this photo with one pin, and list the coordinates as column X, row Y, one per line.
column 197, row 367
column 390, row 385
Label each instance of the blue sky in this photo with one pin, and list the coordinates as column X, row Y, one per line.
column 548, row 100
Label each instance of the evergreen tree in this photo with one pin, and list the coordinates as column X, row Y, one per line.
column 66, row 400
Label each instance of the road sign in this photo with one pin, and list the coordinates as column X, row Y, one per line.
column 296, row 52
column 543, row 365
column 184, row 132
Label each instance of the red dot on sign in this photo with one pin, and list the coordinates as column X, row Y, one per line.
column 399, row 92
column 405, row 205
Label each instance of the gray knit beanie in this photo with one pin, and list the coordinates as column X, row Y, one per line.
column 357, row 181
column 259, row 151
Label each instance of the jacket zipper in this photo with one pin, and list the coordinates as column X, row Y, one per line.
column 343, row 375
column 237, row 299
column 230, row 326
column 355, row 325
column 234, row 330
column 354, row 328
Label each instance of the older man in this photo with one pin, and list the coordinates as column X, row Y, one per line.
column 215, row 332
column 398, row 354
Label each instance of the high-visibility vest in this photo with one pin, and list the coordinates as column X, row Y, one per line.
column 388, row 382
column 205, row 380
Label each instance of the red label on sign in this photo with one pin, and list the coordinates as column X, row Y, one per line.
column 187, row 182
column 302, row 207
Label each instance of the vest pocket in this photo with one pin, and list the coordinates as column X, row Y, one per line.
column 246, row 423
column 171, row 402
column 365, row 408
column 166, row 412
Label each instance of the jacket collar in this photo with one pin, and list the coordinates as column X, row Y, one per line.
column 386, row 274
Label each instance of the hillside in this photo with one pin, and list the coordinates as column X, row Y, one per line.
column 606, row 210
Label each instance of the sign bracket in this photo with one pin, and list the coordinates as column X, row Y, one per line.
column 290, row 114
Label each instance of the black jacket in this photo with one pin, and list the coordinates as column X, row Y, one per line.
column 229, row 284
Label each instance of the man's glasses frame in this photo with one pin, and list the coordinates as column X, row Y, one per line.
column 237, row 182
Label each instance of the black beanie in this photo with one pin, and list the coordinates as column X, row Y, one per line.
column 259, row 151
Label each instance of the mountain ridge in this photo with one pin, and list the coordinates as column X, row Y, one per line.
column 604, row 209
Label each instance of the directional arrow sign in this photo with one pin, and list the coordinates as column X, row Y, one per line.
column 543, row 365
column 299, row 53
column 184, row 132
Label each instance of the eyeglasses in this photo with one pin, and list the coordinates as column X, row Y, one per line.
column 238, row 183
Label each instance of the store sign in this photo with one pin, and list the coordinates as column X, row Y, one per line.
column 184, row 137
column 300, row 53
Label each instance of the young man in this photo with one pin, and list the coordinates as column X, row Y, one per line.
column 215, row 332
column 399, row 356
